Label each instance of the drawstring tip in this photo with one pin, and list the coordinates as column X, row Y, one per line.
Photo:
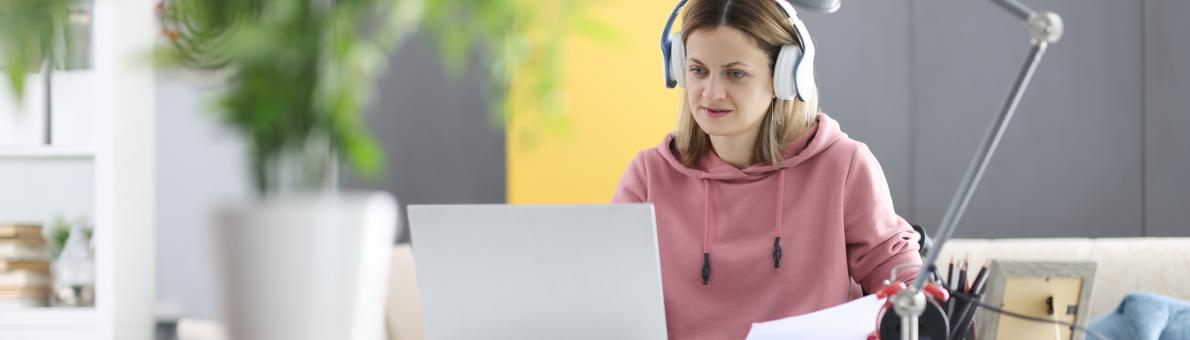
column 777, row 252
column 706, row 268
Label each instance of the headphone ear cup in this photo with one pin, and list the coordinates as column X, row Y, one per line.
column 677, row 59
column 785, row 72
column 803, row 78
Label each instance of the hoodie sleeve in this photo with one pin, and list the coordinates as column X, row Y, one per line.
column 877, row 239
column 633, row 184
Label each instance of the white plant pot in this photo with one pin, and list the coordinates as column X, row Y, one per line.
column 307, row 268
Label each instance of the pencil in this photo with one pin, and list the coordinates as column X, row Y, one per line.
column 963, row 277
column 951, row 286
column 950, row 274
column 981, row 279
column 960, row 307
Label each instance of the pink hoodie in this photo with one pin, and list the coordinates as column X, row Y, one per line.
column 837, row 228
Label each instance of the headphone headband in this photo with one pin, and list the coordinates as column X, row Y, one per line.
column 793, row 72
column 665, row 44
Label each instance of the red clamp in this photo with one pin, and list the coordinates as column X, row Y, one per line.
column 931, row 290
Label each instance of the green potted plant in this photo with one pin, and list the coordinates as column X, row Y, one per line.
column 73, row 259
column 298, row 74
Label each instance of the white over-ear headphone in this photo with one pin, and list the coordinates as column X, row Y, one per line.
column 793, row 71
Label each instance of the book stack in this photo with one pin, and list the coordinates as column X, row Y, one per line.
column 24, row 268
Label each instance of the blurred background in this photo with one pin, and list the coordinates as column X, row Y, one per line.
column 1098, row 146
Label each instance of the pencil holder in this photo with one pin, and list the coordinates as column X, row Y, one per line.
column 963, row 315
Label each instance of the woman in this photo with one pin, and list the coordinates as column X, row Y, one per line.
column 765, row 208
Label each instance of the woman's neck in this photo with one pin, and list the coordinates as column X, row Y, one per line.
column 736, row 150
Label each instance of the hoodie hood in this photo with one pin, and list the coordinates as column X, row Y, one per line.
column 822, row 134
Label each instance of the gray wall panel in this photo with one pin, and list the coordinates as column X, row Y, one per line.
column 1167, row 118
column 862, row 77
column 441, row 145
column 1069, row 163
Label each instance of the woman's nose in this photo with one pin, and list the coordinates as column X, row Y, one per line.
column 714, row 88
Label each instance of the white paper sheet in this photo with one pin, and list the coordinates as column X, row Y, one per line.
column 850, row 321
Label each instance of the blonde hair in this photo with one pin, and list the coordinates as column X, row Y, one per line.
column 786, row 120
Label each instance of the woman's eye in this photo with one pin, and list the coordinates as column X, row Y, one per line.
column 697, row 70
column 736, row 74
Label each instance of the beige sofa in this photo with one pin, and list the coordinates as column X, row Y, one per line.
column 1160, row 265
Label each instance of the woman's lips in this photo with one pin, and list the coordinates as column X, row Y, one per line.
column 715, row 113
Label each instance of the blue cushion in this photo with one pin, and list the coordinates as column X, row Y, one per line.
column 1145, row 316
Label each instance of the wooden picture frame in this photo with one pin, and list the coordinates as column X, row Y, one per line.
column 1022, row 286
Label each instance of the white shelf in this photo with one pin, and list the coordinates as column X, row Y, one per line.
column 49, row 323
column 102, row 161
column 49, row 316
column 26, row 152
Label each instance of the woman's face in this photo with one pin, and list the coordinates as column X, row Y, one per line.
column 729, row 84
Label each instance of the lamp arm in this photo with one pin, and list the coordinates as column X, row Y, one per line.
column 1044, row 28
column 1015, row 8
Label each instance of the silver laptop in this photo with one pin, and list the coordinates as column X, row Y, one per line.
column 538, row 272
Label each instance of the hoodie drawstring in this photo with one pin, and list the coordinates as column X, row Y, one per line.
column 706, row 236
column 705, row 273
column 780, row 209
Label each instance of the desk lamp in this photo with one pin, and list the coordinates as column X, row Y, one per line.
column 1044, row 28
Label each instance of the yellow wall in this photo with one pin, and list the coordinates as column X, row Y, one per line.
column 616, row 104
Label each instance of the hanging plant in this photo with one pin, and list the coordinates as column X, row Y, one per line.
column 32, row 32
